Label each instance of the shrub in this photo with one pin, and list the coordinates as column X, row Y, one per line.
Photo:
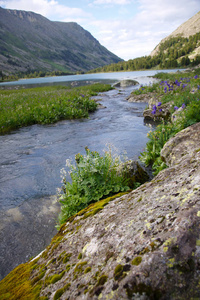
column 93, row 177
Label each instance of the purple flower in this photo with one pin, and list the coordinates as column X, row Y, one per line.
column 175, row 107
column 196, row 76
column 184, row 85
column 153, row 112
column 154, row 107
column 159, row 104
column 160, row 109
column 183, row 105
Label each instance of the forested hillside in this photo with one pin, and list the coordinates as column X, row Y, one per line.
column 180, row 49
column 173, row 53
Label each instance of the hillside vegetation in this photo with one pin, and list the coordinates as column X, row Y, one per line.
column 180, row 49
column 175, row 52
column 29, row 42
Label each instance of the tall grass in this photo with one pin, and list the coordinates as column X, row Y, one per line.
column 45, row 105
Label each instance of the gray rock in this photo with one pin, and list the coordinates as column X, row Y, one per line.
column 162, row 113
column 140, row 245
column 125, row 83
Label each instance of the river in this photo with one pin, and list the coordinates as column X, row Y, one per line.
column 31, row 159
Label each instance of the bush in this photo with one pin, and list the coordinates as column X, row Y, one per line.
column 93, row 177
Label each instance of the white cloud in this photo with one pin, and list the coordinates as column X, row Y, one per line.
column 120, row 2
column 47, row 8
column 138, row 36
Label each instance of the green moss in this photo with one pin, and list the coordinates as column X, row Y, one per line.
column 58, row 294
column 80, row 256
column 37, row 278
column 93, row 208
column 79, row 267
column 68, row 267
column 102, row 280
column 53, row 279
column 61, row 291
column 140, row 199
column 136, row 261
column 96, row 275
column 66, row 257
column 118, row 272
column 17, row 284
column 87, row 270
column 61, row 256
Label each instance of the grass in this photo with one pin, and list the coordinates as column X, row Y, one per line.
column 46, row 105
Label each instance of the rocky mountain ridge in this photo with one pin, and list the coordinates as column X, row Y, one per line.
column 187, row 29
column 29, row 42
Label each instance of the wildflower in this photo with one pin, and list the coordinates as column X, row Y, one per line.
column 154, row 107
column 153, row 112
column 196, row 76
column 184, row 85
column 175, row 107
column 183, row 105
column 159, row 104
column 160, row 110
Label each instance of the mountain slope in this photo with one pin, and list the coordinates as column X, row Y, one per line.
column 185, row 30
column 29, row 41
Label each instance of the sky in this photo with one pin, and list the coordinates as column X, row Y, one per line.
column 128, row 28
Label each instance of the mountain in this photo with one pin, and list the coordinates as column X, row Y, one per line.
column 180, row 49
column 30, row 42
column 185, row 30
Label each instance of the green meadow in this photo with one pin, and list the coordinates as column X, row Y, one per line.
column 46, row 105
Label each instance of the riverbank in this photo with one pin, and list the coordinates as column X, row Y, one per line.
column 174, row 102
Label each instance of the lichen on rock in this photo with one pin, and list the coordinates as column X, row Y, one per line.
column 140, row 245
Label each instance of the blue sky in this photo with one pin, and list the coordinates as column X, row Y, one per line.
column 128, row 28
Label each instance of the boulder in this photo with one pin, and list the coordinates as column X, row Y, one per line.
column 141, row 97
column 185, row 144
column 162, row 112
column 141, row 245
column 125, row 83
